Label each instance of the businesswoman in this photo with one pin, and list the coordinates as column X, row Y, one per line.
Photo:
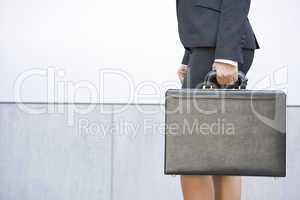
column 215, row 34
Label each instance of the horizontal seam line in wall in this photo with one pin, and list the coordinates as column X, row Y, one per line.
column 36, row 102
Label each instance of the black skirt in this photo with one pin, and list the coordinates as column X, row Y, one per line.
column 200, row 63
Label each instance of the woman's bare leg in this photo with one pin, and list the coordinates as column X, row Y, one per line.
column 227, row 187
column 197, row 187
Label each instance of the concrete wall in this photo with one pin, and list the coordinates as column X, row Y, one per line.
column 106, row 152
column 45, row 43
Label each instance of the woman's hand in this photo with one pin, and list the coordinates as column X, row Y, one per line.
column 181, row 71
column 227, row 74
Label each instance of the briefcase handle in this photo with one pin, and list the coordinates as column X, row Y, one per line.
column 210, row 81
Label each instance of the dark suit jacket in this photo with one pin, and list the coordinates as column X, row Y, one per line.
column 222, row 24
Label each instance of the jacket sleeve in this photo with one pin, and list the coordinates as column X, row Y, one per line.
column 233, row 16
column 186, row 57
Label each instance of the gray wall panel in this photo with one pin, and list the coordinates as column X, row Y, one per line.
column 44, row 157
column 138, row 156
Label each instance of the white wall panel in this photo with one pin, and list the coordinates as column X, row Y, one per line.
column 68, row 42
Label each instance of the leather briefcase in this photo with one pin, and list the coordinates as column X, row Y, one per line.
column 225, row 131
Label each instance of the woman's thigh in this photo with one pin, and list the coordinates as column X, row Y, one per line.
column 201, row 61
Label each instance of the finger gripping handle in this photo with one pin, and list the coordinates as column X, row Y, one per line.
column 210, row 81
